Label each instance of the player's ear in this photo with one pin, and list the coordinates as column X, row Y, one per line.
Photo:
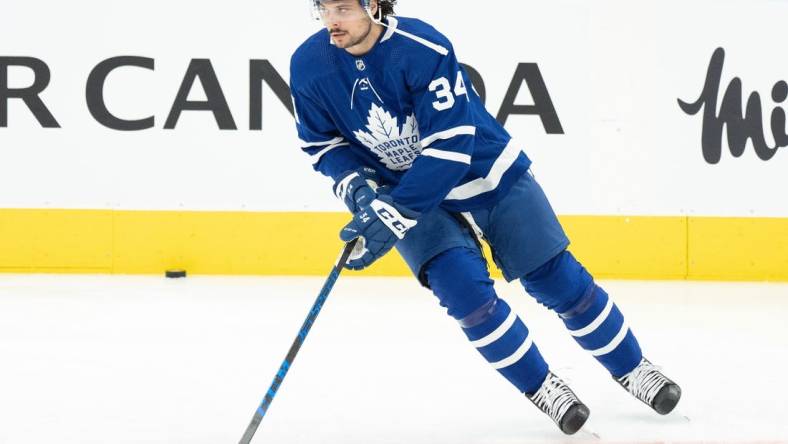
column 373, row 7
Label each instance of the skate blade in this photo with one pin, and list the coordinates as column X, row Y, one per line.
column 588, row 430
column 681, row 414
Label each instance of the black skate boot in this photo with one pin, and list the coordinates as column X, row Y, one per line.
column 560, row 403
column 647, row 383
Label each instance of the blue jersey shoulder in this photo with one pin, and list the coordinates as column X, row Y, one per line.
column 418, row 61
column 316, row 51
column 422, row 29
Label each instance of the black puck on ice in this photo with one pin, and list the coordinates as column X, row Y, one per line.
column 175, row 274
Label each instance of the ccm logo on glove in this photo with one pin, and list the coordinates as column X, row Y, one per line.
column 397, row 223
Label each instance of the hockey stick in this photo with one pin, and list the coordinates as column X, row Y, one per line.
column 299, row 340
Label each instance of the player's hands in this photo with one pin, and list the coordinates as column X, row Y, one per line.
column 378, row 226
column 357, row 188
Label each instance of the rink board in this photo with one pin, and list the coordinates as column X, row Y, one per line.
column 632, row 113
column 289, row 243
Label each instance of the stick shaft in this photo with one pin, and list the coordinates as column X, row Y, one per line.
column 297, row 343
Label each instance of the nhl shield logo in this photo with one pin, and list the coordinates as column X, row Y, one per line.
column 360, row 65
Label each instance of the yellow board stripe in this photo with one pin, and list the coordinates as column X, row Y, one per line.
column 624, row 247
column 273, row 243
column 743, row 249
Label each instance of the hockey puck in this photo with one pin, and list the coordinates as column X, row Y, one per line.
column 174, row 274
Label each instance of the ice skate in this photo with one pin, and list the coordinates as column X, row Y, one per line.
column 560, row 403
column 647, row 383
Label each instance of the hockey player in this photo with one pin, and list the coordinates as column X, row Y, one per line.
column 382, row 101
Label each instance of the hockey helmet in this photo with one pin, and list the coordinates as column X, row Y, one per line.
column 319, row 10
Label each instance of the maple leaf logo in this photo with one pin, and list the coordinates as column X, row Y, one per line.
column 385, row 134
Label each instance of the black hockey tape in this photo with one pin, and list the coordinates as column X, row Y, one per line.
column 175, row 274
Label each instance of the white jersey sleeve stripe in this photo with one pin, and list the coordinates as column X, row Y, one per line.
column 448, row 134
column 447, row 155
column 489, row 183
column 316, row 157
column 305, row 144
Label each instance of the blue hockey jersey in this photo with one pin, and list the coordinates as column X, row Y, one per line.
column 407, row 109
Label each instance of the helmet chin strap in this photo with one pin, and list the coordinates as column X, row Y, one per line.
column 378, row 18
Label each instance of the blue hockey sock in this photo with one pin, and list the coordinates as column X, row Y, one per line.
column 564, row 286
column 505, row 342
column 460, row 279
column 599, row 327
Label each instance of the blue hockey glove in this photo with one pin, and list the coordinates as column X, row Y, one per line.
column 379, row 226
column 357, row 188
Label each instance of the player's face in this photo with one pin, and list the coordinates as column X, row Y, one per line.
column 346, row 21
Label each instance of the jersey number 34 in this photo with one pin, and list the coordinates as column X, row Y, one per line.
column 442, row 88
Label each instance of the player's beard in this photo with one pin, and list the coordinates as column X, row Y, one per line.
column 355, row 41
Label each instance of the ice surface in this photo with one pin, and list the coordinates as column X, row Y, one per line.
column 115, row 359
